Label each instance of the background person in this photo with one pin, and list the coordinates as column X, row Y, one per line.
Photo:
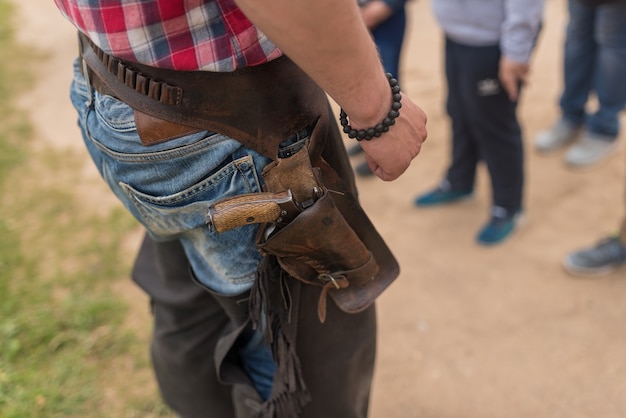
column 603, row 257
column 594, row 63
column 488, row 48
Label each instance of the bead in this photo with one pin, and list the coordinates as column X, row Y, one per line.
column 380, row 128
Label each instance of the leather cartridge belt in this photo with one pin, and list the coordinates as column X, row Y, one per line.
column 260, row 106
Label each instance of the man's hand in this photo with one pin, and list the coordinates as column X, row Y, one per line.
column 391, row 154
column 350, row 72
column 512, row 74
column 375, row 12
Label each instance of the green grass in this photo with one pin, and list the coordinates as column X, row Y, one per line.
column 62, row 326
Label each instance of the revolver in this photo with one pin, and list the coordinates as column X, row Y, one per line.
column 251, row 208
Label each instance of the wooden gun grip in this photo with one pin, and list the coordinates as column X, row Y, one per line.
column 246, row 209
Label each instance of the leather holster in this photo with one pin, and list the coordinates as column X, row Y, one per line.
column 321, row 247
column 333, row 243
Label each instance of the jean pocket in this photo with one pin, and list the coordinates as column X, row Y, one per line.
column 114, row 113
column 229, row 257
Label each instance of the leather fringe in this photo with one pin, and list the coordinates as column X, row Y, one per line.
column 289, row 392
column 259, row 298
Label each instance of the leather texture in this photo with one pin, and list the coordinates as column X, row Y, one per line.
column 318, row 247
column 172, row 103
column 217, row 102
column 261, row 107
column 154, row 131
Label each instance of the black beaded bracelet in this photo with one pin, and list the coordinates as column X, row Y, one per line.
column 383, row 126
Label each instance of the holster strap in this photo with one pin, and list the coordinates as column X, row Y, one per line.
column 342, row 279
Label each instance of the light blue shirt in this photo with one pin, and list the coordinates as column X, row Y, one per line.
column 513, row 24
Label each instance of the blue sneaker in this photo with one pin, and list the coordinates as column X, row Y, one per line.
column 499, row 227
column 442, row 195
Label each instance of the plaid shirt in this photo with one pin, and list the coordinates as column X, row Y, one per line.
column 207, row 35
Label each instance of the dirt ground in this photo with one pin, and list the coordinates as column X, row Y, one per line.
column 466, row 331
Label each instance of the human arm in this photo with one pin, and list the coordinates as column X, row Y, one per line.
column 519, row 36
column 329, row 41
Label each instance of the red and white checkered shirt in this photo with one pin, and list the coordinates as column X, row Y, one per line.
column 207, row 35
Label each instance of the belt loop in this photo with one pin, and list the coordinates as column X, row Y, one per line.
column 89, row 89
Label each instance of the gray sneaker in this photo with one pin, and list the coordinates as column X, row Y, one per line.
column 603, row 258
column 590, row 149
column 558, row 136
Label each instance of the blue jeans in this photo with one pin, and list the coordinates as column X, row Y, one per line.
column 389, row 37
column 168, row 187
column 595, row 62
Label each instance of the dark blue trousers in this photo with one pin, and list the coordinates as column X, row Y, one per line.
column 484, row 124
column 389, row 37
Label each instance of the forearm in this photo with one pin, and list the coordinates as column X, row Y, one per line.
column 328, row 40
column 520, row 28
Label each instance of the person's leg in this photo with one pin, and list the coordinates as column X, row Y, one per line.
column 609, row 62
column 465, row 152
column 594, row 59
column 495, row 126
column 610, row 69
column 337, row 356
column 603, row 257
column 458, row 182
column 578, row 66
column 167, row 188
column 187, row 324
